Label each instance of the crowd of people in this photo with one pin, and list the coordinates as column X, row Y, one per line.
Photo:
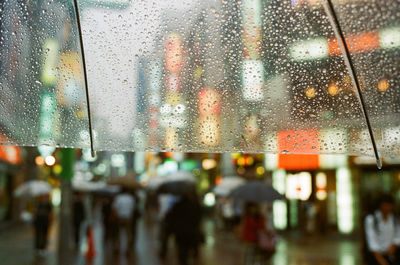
column 180, row 217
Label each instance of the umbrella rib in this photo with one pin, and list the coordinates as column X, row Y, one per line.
column 78, row 22
column 330, row 11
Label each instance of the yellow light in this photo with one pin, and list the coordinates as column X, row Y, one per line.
column 249, row 161
column 311, row 92
column 57, row 169
column 333, row 89
column 50, row 160
column 39, row 161
column 241, row 161
column 260, row 170
column 235, row 155
column 80, row 114
column 383, row 85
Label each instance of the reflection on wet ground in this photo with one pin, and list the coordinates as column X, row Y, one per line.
column 221, row 247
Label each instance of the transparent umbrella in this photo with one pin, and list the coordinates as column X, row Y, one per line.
column 202, row 75
column 227, row 184
column 33, row 188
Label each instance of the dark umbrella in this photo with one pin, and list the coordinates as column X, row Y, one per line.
column 257, row 192
column 179, row 187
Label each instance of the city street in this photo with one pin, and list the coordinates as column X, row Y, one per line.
column 220, row 248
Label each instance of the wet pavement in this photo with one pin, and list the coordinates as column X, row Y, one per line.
column 221, row 247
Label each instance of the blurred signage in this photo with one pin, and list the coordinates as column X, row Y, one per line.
column 252, row 69
column 50, row 62
column 299, row 186
column 70, row 83
column 363, row 42
column 10, row 154
column 389, row 37
column 47, row 109
column 209, row 105
column 253, row 80
column 304, row 142
column 320, row 48
column 174, row 53
column 321, row 183
column 209, row 101
column 209, row 133
column 306, row 50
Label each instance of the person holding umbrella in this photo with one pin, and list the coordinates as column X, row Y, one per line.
column 185, row 220
column 260, row 240
column 42, row 222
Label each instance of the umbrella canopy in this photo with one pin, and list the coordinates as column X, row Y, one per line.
column 33, row 188
column 95, row 187
column 257, row 192
column 227, row 185
column 128, row 182
column 231, row 76
column 179, row 187
column 183, row 176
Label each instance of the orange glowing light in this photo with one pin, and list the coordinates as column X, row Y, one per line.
column 383, row 85
column 311, row 92
column 363, row 42
column 333, row 89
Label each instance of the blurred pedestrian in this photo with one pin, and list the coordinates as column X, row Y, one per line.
column 123, row 207
column 166, row 202
column 78, row 216
column 260, row 241
column 109, row 220
column 253, row 222
column 136, row 215
column 185, row 220
column 382, row 231
column 42, row 222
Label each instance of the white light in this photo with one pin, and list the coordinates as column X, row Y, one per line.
column 56, row 197
column 170, row 167
column 117, row 160
column 87, row 155
column 278, row 180
column 50, row 160
column 321, row 180
column 100, row 169
column 209, row 199
column 46, row 150
column 280, row 214
column 389, row 38
column 179, row 109
column 344, row 200
column 299, row 186
column 321, row 195
column 253, row 80
column 271, row 161
column 165, row 109
column 84, row 135
column 309, row 49
column 208, row 163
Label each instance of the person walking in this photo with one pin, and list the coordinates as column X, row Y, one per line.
column 78, row 217
column 124, row 206
column 41, row 223
column 185, row 220
column 382, row 232
column 166, row 202
column 253, row 226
